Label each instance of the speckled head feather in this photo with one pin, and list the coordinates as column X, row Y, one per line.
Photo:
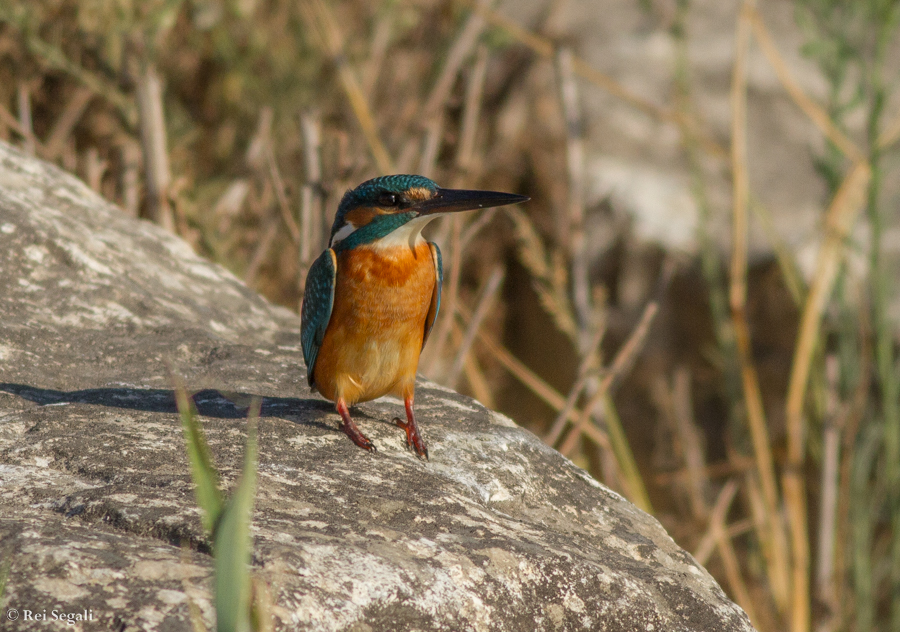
column 374, row 193
column 400, row 207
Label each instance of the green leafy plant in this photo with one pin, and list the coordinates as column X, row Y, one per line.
column 226, row 520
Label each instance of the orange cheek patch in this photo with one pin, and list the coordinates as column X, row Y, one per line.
column 360, row 217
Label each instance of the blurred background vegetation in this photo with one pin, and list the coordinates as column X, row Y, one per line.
column 743, row 389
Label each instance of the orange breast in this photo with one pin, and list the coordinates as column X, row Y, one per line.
column 373, row 340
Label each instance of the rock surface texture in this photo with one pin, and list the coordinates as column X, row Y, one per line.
column 497, row 532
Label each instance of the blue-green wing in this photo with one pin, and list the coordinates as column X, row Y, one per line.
column 318, row 299
column 436, row 294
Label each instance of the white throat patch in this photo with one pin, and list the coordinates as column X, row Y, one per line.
column 345, row 231
column 409, row 234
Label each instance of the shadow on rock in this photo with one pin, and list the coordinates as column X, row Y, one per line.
column 209, row 402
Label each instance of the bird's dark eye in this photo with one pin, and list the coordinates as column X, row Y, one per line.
column 388, row 199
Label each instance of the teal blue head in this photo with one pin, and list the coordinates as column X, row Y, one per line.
column 397, row 208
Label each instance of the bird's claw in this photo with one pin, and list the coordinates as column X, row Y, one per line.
column 413, row 438
column 358, row 438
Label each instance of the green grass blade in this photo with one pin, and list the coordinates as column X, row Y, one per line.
column 232, row 542
column 4, row 576
column 619, row 443
column 206, row 478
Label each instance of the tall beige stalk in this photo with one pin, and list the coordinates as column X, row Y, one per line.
column 846, row 205
column 772, row 538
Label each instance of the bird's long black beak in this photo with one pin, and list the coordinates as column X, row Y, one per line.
column 453, row 200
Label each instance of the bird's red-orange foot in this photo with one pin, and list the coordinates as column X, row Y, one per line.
column 350, row 429
column 413, row 439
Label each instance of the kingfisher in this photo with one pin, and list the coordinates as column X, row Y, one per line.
column 373, row 295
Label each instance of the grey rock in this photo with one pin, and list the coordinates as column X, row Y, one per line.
column 637, row 164
column 97, row 514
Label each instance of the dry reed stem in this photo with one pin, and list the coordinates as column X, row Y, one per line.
column 431, row 145
column 453, row 224
column 483, row 305
column 474, row 227
column 721, row 469
column 571, row 238
column 432, row 114
column 481, row 388
column 311, row 207
column 287, row 217
column 548, row 273
column 381, row 39
column 457, row 54
column 465, row 153
column 450, row 294
column 130, row 177
column 691, row 441
column 536, row 385
column 718, row 532
column 517, row 369
column 620, row 365
column 733, row 574
column 66, row 122
column 754, row 493
column 589, row 360
column 68, row 160
column 10, row 121
column 230, row 203
column 772, row 537
column 23, row 103
column 94, row 168
column 263, row 151
column 812, row 110
column 157, row 176
column 707, row 543
column 831, row 444
column 598, row 436
column 571, row 224
column 621, row 450
column 846, row 205
column 320, row 21
column 261, row 251
column 758, row 521
column 566, row 412
column 255, row 156
column 572, row 125
column 740, row 527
